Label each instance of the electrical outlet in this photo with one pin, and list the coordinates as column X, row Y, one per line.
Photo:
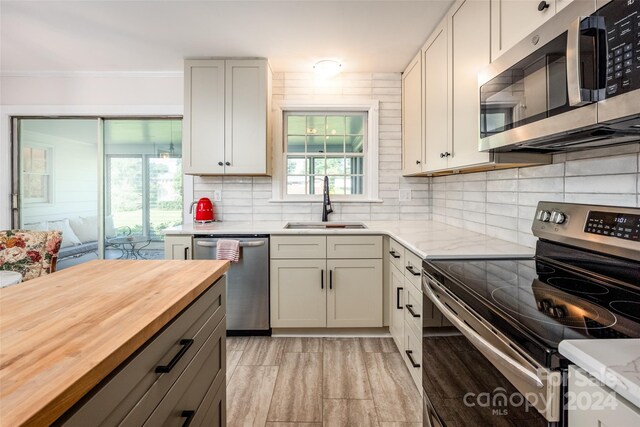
column 404, row 195
column 217, row 195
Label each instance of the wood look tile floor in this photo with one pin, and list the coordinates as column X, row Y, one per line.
column 313, row 382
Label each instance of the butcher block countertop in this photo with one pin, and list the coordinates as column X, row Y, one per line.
column 61, row 334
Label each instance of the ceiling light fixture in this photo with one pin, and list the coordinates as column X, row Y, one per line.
column 327, row 68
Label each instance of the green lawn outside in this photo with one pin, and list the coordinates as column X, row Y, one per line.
column 133, row 219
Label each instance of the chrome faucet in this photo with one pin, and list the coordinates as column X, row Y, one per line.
column 326, row 202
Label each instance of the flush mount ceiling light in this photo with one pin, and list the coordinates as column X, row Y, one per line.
column 327, row 68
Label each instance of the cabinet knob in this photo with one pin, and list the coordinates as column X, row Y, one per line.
column 220, row 164
column 542, row 5
column 447, row 154
column 227, row 163
column 442, row 155
column 417, row 162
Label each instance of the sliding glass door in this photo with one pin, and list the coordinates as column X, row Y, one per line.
column 64, row 163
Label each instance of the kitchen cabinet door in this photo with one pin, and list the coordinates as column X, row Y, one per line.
column 298, row 293
column 354, row 297
column 513, row 20
column 178, row 247
column 436, row 108
column 412, row 117
column 396, row 316
column 469, row 54
column 246, row 139
column 203, row 130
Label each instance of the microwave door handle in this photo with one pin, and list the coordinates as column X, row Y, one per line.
column 476, row 339
column 591, row 26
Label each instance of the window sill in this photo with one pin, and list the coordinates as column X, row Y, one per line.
column 333, row 200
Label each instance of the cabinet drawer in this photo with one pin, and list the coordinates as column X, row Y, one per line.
column 214, row 408
column 413, row 303
column 136, row 379
column 396, row 254
column 187, row 397
column 298, row 247
column 413, row 268
column 354, row 247
column 413, row 354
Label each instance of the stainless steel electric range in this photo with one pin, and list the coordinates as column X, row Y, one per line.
column 500, row 366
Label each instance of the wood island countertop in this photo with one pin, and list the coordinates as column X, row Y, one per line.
column 61, row 334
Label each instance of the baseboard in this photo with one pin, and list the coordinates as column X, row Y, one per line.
column 331, row 332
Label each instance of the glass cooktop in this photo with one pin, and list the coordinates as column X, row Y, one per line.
column 538, row 304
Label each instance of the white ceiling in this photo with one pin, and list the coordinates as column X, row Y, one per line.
column 155, row 35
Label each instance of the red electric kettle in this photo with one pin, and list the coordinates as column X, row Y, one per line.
column 204, row 210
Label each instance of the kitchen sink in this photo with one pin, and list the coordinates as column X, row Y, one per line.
column 324, row 225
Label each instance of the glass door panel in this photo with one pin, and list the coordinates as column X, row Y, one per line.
column 165, row 194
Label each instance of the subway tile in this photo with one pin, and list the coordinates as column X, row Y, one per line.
column 601, row 184
column 532, row 199
column 603, row 166
column 546, row 171
column 602, row 199
column 502, row 209
column 507, row 222
column 502, row 233
column 553, row 185
column 505, row 197
column 503, row 185
column 605, row 151
column 502, row 174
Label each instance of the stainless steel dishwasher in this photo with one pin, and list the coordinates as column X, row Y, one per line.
column 247, row 282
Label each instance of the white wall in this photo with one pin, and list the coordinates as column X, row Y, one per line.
column 80, row 94
column 247, row 199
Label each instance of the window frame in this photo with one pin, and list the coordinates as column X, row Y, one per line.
column 370, row 155
column 48, row 200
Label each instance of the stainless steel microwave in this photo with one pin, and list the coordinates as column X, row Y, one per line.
column 572, row 84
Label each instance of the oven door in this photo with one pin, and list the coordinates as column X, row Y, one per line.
column 477, row 377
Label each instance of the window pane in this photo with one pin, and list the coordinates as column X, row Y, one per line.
column 38, row 160
column 36, row 187
column 335, row 144
column 355, row 125
column 315, row 125
column 354, row 144
column 296, row 185
column 318, row 184
column 296, row 166
column 354, row 185
column 335, row 166
column 295, row 144
column 336, row 184
column 315, row 144
column 296, row 125
column 355, row 165
column 319, row 166
column 335, row 125
column 26, row 160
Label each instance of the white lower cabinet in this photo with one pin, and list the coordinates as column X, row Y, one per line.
column 396, row 311
column 354, row 298
column 330, row 292
column 592, row 404
column 178, row 247
column 298, row 293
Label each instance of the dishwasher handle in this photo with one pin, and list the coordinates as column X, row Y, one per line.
column 248, row 244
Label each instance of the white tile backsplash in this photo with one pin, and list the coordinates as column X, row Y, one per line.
column 606, row 176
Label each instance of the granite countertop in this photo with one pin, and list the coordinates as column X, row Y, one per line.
column 63, row 333
column 615, row 363
column 427, row 239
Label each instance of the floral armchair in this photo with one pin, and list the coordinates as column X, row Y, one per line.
column 30, row 253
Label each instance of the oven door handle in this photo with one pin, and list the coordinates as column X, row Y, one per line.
column 477, row 340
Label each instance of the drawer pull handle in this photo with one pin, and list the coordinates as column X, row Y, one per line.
column 186, row 253
column 394, row 254
column 398, row 289
column 321, row 279
column 410, row 308
column 185, row 343
column 412, row 270
column 413, row 362
column 189, row 417
column 330, row 279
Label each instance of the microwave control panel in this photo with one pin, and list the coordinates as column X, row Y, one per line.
column 622, row 19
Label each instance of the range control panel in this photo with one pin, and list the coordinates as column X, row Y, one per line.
column 606, row 229
column 622, row 20
column 620, row 225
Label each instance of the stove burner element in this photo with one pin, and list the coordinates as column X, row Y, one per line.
column 544, row 268
column 627, row 308
column 578, row 286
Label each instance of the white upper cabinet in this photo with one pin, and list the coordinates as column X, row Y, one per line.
column 469, row 54
column 226, row 123
column 435, row 64
column 512, row 20
column 412, row 117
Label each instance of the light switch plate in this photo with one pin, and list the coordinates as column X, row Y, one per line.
column 404, row 195
column 217, row 195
